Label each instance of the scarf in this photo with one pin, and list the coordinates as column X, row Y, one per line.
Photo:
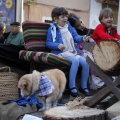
column 45, row 86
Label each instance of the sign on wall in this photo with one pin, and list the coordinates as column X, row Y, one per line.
column 7, row 11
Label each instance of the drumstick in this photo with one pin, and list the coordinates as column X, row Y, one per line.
column 89, row 32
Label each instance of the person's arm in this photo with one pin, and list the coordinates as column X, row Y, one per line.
column 117, row 36
column 6, row 35
column 21, row 39
column 49, row 41
column 77, row 38
column 115, row 33
column 100, row 31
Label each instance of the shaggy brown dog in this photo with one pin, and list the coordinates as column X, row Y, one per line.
column 29, row 84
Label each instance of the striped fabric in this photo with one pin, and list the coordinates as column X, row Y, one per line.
column 36, row 50
column 35, row 35
column 44, row 58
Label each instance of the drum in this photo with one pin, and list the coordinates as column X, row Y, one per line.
column 107, row 56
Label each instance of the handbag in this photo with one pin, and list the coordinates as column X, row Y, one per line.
column 8, row 84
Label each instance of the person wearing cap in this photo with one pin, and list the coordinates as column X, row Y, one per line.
column 3, row 35
column 9, row 49
column 16, row 36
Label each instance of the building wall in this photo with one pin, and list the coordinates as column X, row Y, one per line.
column 35, row 12
column 88, row 10
column 95, row 8
column 19, row 13
column 82, row 5
column 118, row 27
column 19, row 10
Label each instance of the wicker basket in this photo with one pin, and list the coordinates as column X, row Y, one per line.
column 8, row 84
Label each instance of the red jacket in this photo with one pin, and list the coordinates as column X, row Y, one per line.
column 100, row 32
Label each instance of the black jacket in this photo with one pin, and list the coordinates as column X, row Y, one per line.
column 3, row 37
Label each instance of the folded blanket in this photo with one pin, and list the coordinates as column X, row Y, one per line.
column 12, row 111
column 28, row 100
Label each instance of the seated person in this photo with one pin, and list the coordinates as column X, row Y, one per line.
column 16, row 36
column 9, row 50
column 78, row 24
column 3, row 35
column 60, row 39
column 105, row 28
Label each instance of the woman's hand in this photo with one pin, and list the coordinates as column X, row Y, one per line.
column 86, row 38
column 61, row 46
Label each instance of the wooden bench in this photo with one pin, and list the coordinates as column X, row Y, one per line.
column 36, row 51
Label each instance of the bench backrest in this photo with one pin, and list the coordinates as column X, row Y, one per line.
column 35, row 35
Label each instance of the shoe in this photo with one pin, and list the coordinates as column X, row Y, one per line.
column 84, row 92
column 76, row 94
